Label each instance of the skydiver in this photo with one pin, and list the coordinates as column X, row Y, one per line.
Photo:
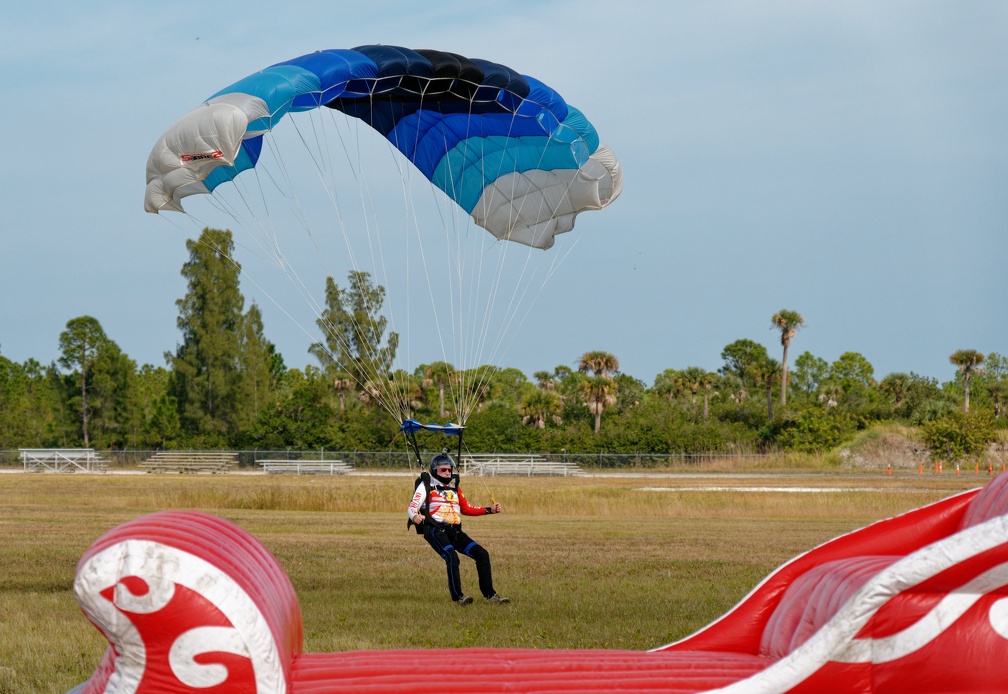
column 436, row 509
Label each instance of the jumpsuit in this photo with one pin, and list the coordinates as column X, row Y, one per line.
column 443, row 532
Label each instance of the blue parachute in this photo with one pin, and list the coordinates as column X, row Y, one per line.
column 505, row 147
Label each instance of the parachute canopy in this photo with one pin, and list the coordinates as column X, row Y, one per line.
column 505, row 147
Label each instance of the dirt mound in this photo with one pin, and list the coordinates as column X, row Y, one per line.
column 876, row 450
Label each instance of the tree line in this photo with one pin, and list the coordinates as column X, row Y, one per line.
column 226, row 386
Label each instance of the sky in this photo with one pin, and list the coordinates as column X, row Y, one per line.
column 844, row 160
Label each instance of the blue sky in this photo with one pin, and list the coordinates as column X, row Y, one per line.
column 845, row 160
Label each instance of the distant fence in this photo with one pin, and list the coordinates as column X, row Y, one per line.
column 402, row 460
column 648, row 460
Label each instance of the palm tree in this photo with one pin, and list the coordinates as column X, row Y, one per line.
column 544, row 380
column 788, row 322
column 830, row 391
column 895, row 385
column 708, row 382
column 766, row 373
column 540, row 405
column 599, row 364
column 407, row 394
column 471, row 388
column 343, row 384
column 438, row 374
column 694, row 379
column 691, row 378
column 373, row 392
column 968, row 361
column 732, row 384
column 999, row 395
column 599, row 391
column 668, row 384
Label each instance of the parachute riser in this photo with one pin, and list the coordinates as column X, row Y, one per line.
column 411, row 437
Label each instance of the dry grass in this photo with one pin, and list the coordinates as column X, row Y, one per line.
column 595, row 562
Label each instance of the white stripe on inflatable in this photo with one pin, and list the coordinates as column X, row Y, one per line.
column 930, row 626
column 836, row 640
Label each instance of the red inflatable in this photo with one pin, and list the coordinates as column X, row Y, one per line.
column 917, row 603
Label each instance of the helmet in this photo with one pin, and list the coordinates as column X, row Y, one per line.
column 442, row 459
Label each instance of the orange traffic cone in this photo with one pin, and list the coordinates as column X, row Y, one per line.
column 957, row 469
column 889, row 469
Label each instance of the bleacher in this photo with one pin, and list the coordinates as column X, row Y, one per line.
column 305, row 467
column 190, row 462
column 61, row 460
column 526, row 464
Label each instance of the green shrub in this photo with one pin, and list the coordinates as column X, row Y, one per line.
column 959, row 435
column 930, row 410
column 816, row 430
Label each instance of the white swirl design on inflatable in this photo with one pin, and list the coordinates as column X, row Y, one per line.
column 194, row 642
column 159, row 594
column 163, row 568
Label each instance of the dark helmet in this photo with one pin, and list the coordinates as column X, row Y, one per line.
column 442, row 459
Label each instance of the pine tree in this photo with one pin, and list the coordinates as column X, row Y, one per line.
column 257, row 359
column 80, row 344
column 354, row 330
column 113, row 380
column 207, row 379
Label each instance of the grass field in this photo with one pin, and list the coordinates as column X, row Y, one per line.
column 595, row 562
